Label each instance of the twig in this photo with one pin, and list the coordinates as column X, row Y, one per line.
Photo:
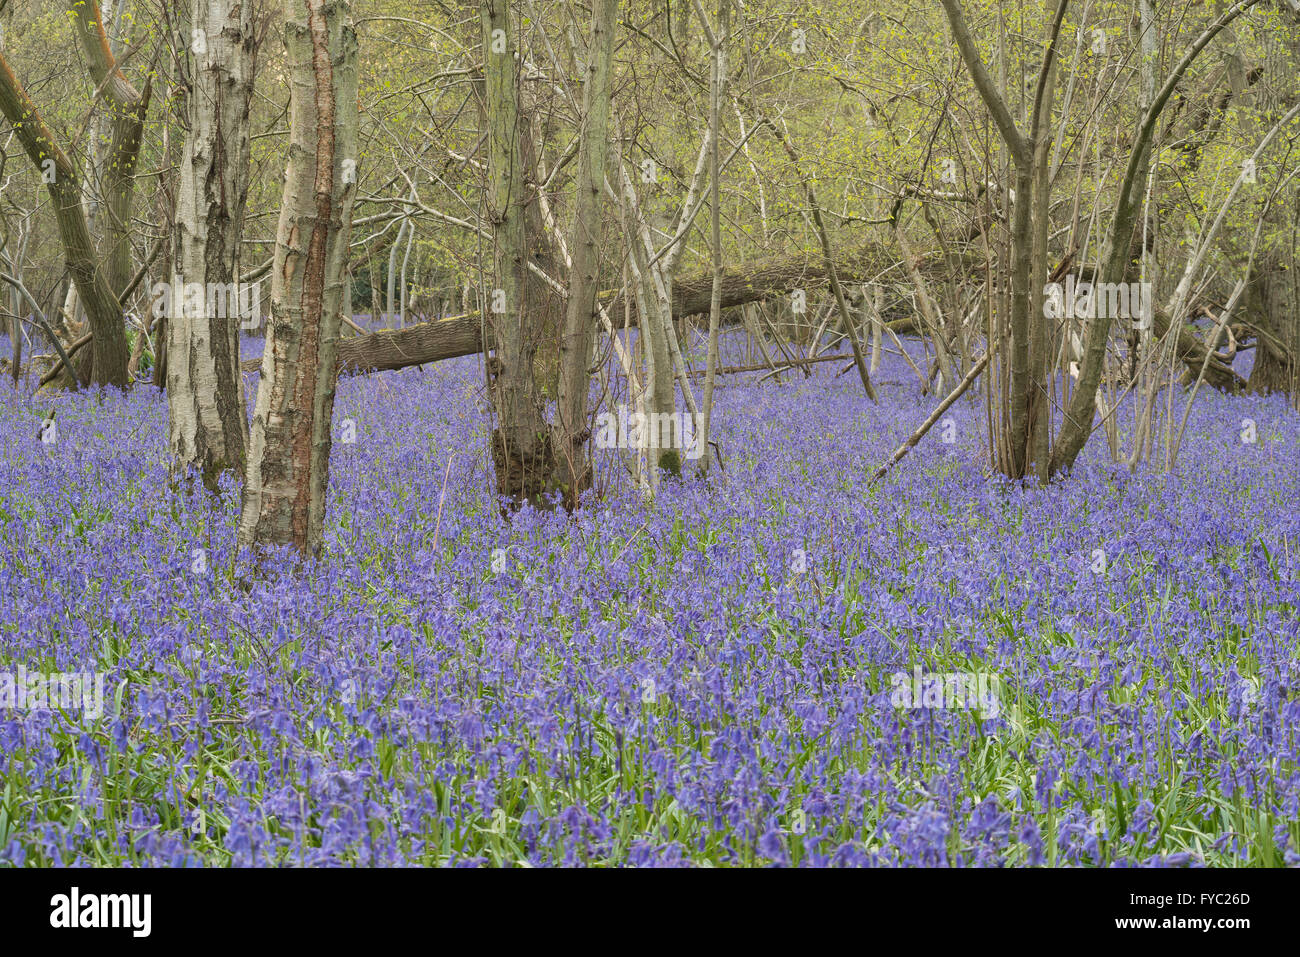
column 928, row 424
column 765, row 367
column 40, row 317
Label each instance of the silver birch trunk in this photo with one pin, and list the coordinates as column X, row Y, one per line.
column 289, row 447
column 208, row 426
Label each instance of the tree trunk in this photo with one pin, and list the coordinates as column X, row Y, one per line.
column 1017, row 447
column 651, row 282
column 521, row 442
column 109, row 351
column 205, row 396
column 719, row 71
column 289, row 444
column 1270, row 310
column 126, row 108
column 1078, row 421
column 573, row 473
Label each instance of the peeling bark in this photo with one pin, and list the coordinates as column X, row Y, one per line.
column 289, row 447
column 208, row 427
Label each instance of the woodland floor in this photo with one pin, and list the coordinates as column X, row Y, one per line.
column 658, row 684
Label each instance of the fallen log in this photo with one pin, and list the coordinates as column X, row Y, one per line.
column 750, row 282
column 1198, row 359
column 462, row 335
column 1189, row 348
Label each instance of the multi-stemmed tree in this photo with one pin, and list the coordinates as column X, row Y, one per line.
column 289, row 447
